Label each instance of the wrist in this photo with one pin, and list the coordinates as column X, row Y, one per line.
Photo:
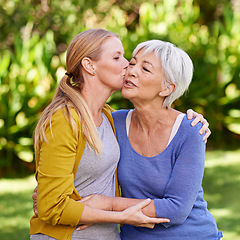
column 122, row 217
column 110, row 203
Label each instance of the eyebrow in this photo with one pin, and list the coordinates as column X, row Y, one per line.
column 145, row 61
column 119, row 52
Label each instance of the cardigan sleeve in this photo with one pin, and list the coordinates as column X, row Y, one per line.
column 185, row 181
column 55, row 174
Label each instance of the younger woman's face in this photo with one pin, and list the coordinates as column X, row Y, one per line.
column 112, row 65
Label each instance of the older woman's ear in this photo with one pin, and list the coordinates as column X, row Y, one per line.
column 168, row 90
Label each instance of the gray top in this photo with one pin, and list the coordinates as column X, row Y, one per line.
column 95, row 175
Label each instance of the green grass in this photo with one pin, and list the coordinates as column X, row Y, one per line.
column 15, row 207
column 222, row 190
column 221, row 185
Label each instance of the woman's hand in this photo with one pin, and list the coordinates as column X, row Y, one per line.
column 134, row 216
column 34, row 197
column 199, row 118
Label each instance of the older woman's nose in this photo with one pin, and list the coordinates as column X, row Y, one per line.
column 131, row 72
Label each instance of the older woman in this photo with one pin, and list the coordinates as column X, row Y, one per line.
column 162, row 156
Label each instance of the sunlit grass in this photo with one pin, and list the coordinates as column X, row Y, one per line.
column 221, row 185
column 222, row 190
column 15, row 208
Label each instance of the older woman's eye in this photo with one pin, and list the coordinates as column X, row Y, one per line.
column 145, row 69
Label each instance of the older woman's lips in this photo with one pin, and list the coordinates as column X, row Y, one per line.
column 129, row 83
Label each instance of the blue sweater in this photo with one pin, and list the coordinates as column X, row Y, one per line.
column 173, row 179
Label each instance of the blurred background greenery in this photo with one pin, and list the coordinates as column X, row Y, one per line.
column 33, row 42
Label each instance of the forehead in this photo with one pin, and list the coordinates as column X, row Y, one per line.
column 148, row 57
column 112, row 45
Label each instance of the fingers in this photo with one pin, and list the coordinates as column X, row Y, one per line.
column 207, row 134
column 35, row 206
column 198, row 118
column 82, row 227
column 206, row 130
column 152, row 221
column 35, row 210
column 85, row 199
column 147, row 225
column 190, row 114
column 34, row 197
column 162, row 220
column 157, row 220
column 143, row 204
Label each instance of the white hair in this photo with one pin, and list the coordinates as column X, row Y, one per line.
column 176, row 64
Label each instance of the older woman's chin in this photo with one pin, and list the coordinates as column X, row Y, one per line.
column 126, row 93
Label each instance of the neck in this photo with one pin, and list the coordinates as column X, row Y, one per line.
column 150, row 116
column 95, row 96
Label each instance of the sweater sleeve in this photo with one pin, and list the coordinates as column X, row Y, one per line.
column 55, row 174
column 186, row 179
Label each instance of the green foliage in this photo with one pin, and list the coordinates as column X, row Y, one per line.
column 35, row 35
column 26, row 86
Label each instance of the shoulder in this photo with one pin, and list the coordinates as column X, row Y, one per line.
column 62, row 115
column 190, row 132
column 64, row 122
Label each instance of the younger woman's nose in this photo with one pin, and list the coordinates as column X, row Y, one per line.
column 126, row 63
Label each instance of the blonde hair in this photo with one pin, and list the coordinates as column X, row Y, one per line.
column 68, row 93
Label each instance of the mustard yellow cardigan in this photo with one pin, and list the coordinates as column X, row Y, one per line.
column 58, row 209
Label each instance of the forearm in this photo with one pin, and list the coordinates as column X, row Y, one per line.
column 93, row 215
column 117, row 204
column 120, row 204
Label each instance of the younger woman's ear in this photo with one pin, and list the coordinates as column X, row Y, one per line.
column 168, row 90
column 88, row 65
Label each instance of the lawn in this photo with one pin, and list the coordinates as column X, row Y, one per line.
column 221, row 185
column 222, row 190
